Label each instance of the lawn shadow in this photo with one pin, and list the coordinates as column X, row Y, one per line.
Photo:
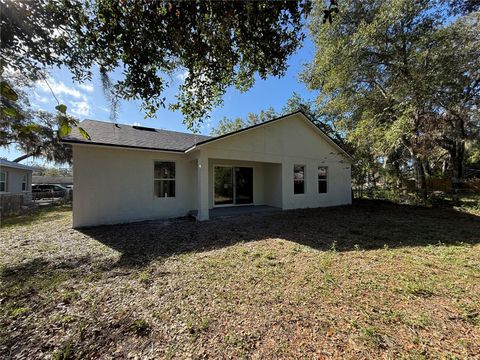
column 26, row 279
column 35, row 214
column 365, row 225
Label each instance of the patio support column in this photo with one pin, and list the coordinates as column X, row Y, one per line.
column 202, row 187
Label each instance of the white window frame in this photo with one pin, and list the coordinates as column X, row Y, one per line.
column 25, row 182
column 4, row 181
column 174, row 179
column 303, row 180
column 322, row 180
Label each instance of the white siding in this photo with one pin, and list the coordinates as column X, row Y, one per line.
column 14, row 181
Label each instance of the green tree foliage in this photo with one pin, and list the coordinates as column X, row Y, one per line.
column 293, row 104
column 314, row 112
column 218, row 44
column 36, row 133
column 42, row 170
column 463, row 6
column 401, row 79
column 227, row 125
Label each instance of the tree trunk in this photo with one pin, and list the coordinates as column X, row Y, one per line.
column 444, row 167
column 428, row 168
column 419, row 174
column 457, row 157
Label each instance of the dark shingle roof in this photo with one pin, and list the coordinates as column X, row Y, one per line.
column 105, row 133
column 110, row 134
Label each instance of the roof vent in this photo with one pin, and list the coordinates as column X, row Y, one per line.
column 143, row 128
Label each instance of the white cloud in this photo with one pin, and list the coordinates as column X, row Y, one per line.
column 38, row 106
column 182, row 75
column 81, row 108
column 40, row 98
column 76, row 100
column 86, row 87
column 59, row 88
column 136, row 124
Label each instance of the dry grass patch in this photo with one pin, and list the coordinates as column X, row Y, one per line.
column 371, row 280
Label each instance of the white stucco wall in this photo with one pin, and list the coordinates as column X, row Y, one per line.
column 290, row 141
column 113, row 185
column 14, row 181
column 272, row 186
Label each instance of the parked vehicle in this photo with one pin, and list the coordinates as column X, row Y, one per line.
column 41, row 191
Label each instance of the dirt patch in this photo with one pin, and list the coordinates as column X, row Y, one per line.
column 369, row 280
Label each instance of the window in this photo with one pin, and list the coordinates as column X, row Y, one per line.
column 164, row 179
column 24, row 182
column 322, row 179
column 299, row 179
column 3, row 181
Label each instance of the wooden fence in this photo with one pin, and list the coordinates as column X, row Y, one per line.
column 445, row 185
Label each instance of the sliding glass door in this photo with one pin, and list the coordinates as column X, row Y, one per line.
column 243, row 185
column 223, row 185
column 233, row 185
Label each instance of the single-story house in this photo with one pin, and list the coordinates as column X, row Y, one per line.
column 60, row 180
column 132, row 173
column 16, row 179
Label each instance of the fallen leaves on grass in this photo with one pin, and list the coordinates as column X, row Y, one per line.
column 373, row 280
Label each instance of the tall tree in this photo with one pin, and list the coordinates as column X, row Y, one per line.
column 35, row 133
column 217, row 44
column 382, row 68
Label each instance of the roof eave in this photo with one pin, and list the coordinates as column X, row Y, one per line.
column 19, row 167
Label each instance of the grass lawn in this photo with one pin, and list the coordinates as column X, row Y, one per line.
column 373, row 280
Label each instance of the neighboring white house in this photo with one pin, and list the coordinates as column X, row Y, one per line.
column 131, row 173
column 16, row 179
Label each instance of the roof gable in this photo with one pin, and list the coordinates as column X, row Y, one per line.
column 299, row 114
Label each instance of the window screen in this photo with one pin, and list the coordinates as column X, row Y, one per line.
column 3, row 181
column 322, row 179
column 299, row 179
column 164, row 179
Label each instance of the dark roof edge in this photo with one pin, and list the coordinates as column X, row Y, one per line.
column 119, row 146
column 268, row 122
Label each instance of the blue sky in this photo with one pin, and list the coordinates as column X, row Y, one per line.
column 86, row 101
